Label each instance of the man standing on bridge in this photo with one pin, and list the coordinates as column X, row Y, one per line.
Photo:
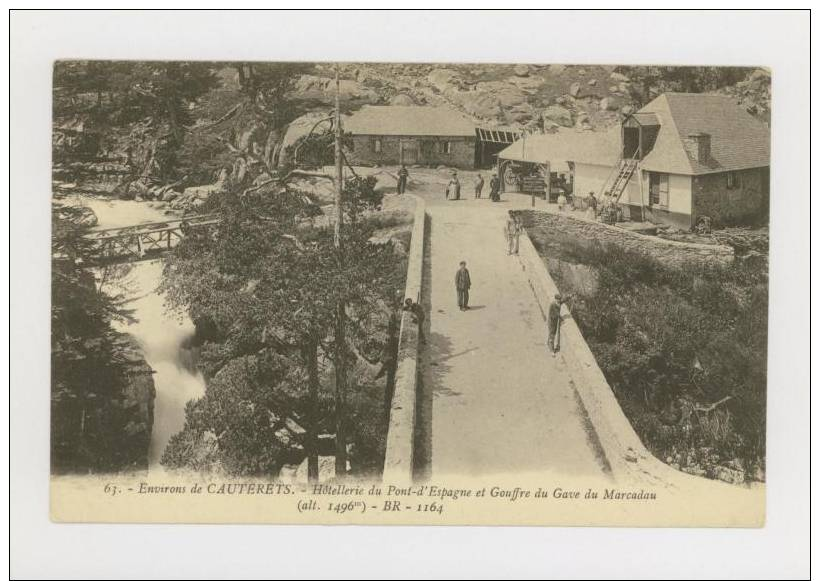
column 463, row 286
column 554, row 325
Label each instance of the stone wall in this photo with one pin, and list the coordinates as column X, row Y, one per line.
column 462, row 151
column 399, row 452
column 668, row 252
column 627, row 460
column 746, row 203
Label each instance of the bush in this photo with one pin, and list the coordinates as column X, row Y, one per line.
column 672, row 343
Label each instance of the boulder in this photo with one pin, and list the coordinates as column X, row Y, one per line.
column 484, row 106
column 445, row 80
column 582, row 72
column 729, row 475
column 507, row 95
column 402, row 100
column 619, row 78
column 607, row 104
column 592, row 82
column 694, row 470
column 559, row 115
column 575, row 89
column 521, row 70
column 301, row 126
column 613, row 89
column 556, row 69
column 324, row 89
column 520, row 114
column 761, row 75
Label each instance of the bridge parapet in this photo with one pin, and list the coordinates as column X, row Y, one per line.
column 399, row 452
column 627, row 458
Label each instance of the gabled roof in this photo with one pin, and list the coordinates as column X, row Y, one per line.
column 411, row 120
column 593, row 147
column 737, row 140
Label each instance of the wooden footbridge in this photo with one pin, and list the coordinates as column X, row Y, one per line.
column 144, row 241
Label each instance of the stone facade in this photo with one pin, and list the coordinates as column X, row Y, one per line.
column 413, row 150
column 746, row 202
column 669, row 252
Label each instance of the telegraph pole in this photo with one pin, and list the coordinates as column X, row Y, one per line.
column 337, row 125
column 341, row 314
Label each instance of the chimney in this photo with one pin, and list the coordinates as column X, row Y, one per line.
column 698, row 146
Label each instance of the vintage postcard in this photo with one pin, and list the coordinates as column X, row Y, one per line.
column 362, row 293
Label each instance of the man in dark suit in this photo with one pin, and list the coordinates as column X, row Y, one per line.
column 495, row 187
column 463, row 286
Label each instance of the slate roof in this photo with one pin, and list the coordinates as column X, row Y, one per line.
column 410, row 121
column 738, row 140
column 593, row 147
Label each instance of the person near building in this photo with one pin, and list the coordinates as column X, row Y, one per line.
column 592, row 206
column 479, row 185
column 403, row 175
column 495, row 188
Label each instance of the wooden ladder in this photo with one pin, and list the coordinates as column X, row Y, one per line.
column 624, row 174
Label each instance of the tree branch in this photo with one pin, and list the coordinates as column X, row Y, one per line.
column 231, row 112
column 709, row 408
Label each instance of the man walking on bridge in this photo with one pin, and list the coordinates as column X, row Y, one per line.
column 463, row 286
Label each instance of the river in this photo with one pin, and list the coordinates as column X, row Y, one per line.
column 162, row 335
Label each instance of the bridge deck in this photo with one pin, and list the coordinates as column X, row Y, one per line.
column 144, row 241
column 496, row 400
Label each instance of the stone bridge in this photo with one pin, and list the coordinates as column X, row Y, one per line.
column 478, row 396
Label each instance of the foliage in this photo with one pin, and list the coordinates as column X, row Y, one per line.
column 359, row 195
column 90, row 361
column 268, row 281
column 175, row 119
column 671, row 341
column 650, row 81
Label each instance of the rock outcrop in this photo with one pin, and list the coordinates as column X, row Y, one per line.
column 137, row 406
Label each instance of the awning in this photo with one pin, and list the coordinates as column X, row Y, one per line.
column 599, row 148
column 497, row 135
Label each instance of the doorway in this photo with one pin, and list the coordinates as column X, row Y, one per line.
column 408, row 151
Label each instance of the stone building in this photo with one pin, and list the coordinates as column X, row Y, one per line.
column 681, row 158
column 413, row 135
column 697, row 156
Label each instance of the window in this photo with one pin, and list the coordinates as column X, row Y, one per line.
column 444, row 147
column 733, row 180
column 659, row 189
column 377, row 145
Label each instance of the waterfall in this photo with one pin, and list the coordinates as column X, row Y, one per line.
column 161, row 335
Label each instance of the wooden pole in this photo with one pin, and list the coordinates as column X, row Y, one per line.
column 337, row 227
column 341, row 315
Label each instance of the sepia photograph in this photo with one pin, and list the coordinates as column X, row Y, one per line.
column 337, row 291
column 355, row 272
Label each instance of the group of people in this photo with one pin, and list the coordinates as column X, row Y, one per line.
column 453, row 189
column 512, row 234
column 606, row 211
